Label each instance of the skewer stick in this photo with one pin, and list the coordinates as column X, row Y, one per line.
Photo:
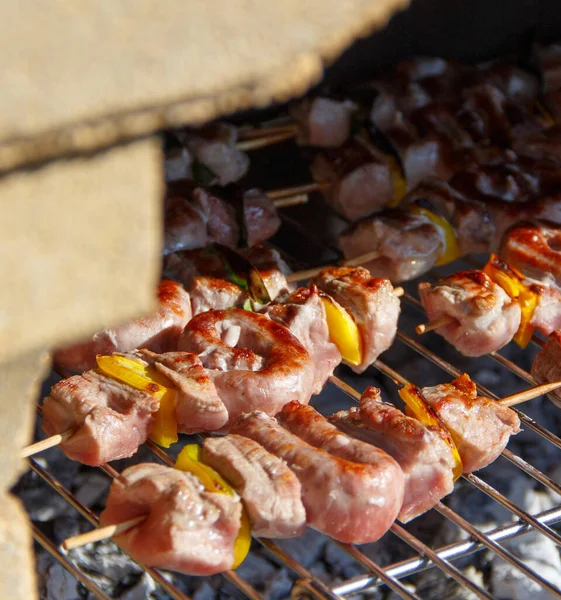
column 264, row 141
column 102, row 533
column 530, row 393
column 432, row 325
column 261, row 132
column 47, row 443
column 291, row 201
column 295, row 190
column 352, row 262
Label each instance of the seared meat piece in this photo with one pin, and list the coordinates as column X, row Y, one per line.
column 197, row 404
column 177, row 164
column 185, row 225
column 547, row 314
column 372, row 304
column 214, row 147
column 544, row 145
column 261, row 218
column 422, row 453
column 485, row 318
column 220, row 218
column 479, row 426
column 303, row 313
column 534, row 248
column 158, row 332
column 187, row 529
column 409, row 244
column 255, row 363
column 359, row 178
column 269, row 489
column 323, row 122
column 112, row 419
column 546, row 367
column 342, row 498
column 210, row 292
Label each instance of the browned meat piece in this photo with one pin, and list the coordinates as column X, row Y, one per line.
column 372, row 304
column 261, row 218
column 426, row 158
column 255, row 363
column 220, row 219
column 303, row 313
column 197, row 404
column 359, row 178
column 158, row 332
column 177, row 164
column 546, row 367
column 409, row 245
column 547, row 314
column 185, row 225
column 187, row 529
column 310, row 426
column 422, row 453
column 112, row 419
column 340, row 497
column 534, row 248
column 323, row 122
column 479, row 426
column 210, row 292
column 269, row 489
column 544, row 145
column 484, row 317
column 214, row 147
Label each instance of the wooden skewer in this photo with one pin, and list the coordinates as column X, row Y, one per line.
column 260, row 132
column 352, row 262
column 291, row 201
column 264, row 141
column 295, row 190
column 47, row 443
column 432, row 325
column 102, row 533
column 530, row 393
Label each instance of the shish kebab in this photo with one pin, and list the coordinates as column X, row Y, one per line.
column 302, row 468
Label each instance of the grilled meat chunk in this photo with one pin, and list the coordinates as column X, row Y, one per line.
column 158, row 332
column 408, row 244
column 372, row 304
column 479, row 426
column 255, row 363
column 484, row 317
column 187, row 529
column 546, row 367
column 111, row 419
column 323, row 122
column 269, row 489
column 341, row 498
column 547, row 314
column 185, row 225
column 302, row 312
column 423, row 455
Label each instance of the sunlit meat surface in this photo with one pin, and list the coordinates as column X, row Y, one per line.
column 483, row 317
column 255, row 363
column 534, row 248
column 422, row 453
column 158, row 332
column 371, row 302
column 408, row 244
column 358, row 179
column 197, row 404
column 479, row 426
column 111, row 419
column 187, row 529
column 323, row 122
column 271, row 492
column 303, row 313
column 546, row 367
column 185, row 225
column 341, row 498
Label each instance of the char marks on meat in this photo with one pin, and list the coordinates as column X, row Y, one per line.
column 187, row 529
column 271, row 492
column 546, row 367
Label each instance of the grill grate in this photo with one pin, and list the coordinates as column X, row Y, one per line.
column 308, row 585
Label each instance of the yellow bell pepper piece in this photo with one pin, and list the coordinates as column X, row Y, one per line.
column 512, row 282
column 343, row 331
column 189, row 460
column 451, row 250
column 142, row 377
column 398, row 180
column 416, row 406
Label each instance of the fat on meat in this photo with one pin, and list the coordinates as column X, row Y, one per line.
column 255, row 363
column 270, row 491
column 187, row 529
column 158, row 332
column 342, row 498
column 421, row 451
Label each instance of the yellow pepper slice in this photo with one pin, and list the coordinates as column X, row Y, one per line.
column 189, row 460
column 416, row 406
column 343, row 331
column 512, row 282
column 451, row 250
column 398, row 180
column 142, row 377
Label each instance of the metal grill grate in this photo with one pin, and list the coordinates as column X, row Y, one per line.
column 308, row 585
